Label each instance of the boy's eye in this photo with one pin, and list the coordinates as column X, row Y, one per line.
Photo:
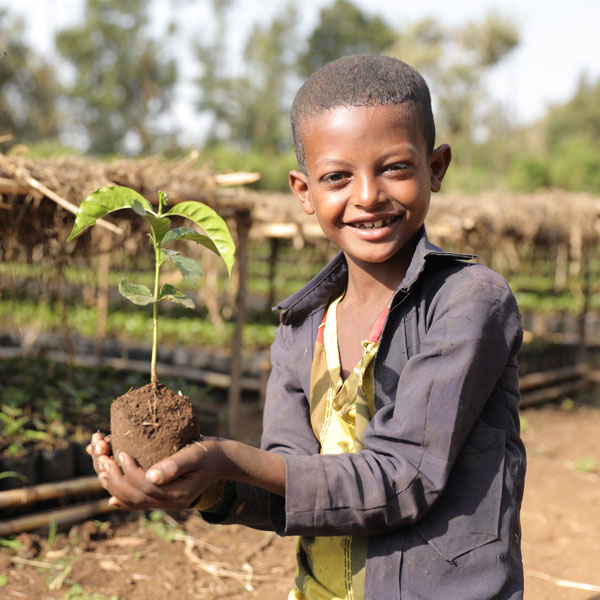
column 399, row 166
column 333, row 178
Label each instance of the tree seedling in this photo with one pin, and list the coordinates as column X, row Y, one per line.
column 215, row 236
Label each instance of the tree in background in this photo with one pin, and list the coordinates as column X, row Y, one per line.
column 566, row 150
column 249, row 109
column 271, row 61
column 217, row 87
column 28, row 86
column 455, row 61
column 122, row 82
column 344, row 29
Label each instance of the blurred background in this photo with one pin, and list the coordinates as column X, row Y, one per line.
column 193, row 97
column 515, row 84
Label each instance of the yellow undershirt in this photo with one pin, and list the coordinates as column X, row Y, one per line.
column 332, row 567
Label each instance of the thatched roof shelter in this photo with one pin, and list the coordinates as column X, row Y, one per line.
column 471, row 223
column 32, row 190
column 544, row 218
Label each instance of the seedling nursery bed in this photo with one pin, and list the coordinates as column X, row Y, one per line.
column 49, row 410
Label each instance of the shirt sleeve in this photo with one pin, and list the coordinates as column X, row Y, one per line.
column 474, row 328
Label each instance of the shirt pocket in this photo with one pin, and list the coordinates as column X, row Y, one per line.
column 467, row 513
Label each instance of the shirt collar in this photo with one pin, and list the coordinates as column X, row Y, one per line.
column 331, row 280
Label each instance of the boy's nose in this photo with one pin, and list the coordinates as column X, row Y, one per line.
column 369, row 192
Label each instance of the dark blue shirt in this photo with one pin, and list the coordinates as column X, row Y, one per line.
column 438, row 487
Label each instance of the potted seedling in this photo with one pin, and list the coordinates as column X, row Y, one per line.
column 152, row 422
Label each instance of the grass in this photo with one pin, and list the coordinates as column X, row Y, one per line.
column 586, row 464
column 176, row 327
column 40, row 296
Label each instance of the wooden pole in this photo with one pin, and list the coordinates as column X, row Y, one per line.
column 102, row 302
column 62, row 517
column 243, row 224
column 587, row 290
column 546, row 378
column 40, row 187
column 49, row 491
column 274, row 251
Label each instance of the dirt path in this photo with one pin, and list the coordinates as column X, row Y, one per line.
column 162, row 559
column 561, row 510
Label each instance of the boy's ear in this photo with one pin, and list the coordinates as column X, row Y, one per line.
column 299, row 186
column 439, row 163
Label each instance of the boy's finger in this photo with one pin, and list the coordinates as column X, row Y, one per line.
column 127, row 494
column 97, row 448
column 134, row 473
column 104, row 462
column 185, row 460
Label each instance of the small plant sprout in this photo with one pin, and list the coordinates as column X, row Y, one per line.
column 216, row 237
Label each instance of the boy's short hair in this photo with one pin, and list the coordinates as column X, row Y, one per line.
column 362, row 80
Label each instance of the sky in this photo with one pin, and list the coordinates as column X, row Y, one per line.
column 559, row 40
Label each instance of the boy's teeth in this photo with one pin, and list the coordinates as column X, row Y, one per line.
column 374, row 224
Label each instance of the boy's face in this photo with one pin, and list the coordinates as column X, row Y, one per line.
column 369, row 178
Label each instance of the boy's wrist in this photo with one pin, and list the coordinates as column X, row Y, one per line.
column 237, row 461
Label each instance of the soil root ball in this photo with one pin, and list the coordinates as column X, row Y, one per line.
column 152, row 423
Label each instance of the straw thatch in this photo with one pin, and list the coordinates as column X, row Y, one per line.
column 32, row 190
column 544, row 218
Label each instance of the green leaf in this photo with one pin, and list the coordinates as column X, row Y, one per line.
column 20, row 476
column 12, row 544
column 213, row 225
column 185, row 233
column 188, row 267
column 103, row 201
column 138, row 207
column 138, row 294
column 3, row 580
column 170, row 292
column 159, row 225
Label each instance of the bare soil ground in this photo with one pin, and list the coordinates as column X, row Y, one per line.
column 137, row 558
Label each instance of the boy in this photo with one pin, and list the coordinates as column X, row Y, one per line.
column 391, row 434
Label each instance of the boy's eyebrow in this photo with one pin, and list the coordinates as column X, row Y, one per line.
column 403, row 149
column 324, row 162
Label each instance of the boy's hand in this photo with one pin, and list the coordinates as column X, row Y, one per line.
column 177, row 481
column 172, row 484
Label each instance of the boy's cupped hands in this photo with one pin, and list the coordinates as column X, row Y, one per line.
column 173, row 483
column 176, row 482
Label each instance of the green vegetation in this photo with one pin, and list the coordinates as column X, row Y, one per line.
column 44, row 402
column 21, row 307
column 586, row 464
column 28, row 86
column 162, row 528
column 78, row 593
column 216, row 238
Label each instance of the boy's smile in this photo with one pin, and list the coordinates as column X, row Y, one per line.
column 369, row 178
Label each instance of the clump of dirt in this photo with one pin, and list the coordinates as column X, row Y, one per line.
column 151, row 423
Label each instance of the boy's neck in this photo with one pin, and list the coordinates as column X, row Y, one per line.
column 372, row 281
